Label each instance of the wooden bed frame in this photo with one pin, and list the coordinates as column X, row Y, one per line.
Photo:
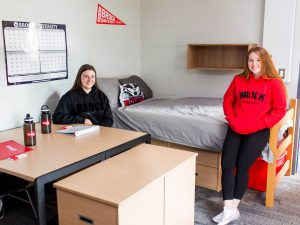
column 273, row 178
column 209, row 162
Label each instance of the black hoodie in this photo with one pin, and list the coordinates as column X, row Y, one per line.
column 76, row 105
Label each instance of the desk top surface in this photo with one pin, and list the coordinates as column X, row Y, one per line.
column 116, row 179
column 54, row 151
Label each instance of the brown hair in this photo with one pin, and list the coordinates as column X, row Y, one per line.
column 268, row 70
column 77, row 83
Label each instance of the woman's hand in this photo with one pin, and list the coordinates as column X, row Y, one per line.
column 88, row 122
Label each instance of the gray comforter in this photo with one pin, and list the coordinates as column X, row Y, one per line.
column 196, row 122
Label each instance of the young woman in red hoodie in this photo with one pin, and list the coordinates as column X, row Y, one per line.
column 253, row 103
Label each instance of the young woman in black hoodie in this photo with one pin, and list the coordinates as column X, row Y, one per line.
column 85, row 103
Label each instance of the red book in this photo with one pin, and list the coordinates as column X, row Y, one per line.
column 11, row 148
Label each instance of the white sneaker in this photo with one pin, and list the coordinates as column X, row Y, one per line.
column 229, row 215
column 219, row 217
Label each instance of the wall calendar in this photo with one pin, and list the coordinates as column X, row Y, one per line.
column 34, row 52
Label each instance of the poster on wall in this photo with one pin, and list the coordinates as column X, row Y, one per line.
column 34, row 52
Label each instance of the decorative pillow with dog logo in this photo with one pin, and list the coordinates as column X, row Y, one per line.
column 130, row 93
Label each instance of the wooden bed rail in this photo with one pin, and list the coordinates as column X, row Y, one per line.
column 278, row 149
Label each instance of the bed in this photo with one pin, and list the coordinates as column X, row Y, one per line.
column 193, row 124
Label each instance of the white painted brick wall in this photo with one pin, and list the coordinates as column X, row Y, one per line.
column 113, row 50
column 153, row 44
column 169, row 25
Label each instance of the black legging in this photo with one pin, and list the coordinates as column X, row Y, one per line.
column 239, row 152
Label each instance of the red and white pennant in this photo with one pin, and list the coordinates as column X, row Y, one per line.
column 106, row 17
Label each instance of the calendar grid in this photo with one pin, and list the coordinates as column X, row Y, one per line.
column 34, row 52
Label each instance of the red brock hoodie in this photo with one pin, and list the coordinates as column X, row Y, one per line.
column 254, row 104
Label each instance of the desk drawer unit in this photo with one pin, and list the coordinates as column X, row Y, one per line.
column 147, row 185
column 78, row 210
column 137, row 209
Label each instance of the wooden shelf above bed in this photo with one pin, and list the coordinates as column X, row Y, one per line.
column 217, row 56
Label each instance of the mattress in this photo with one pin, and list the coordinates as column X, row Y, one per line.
column 196, row 121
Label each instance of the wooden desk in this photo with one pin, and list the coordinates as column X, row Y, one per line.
column 149, row 185
column 57, row 155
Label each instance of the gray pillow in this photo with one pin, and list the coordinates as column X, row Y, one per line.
column 110, row 87
column 139, row 81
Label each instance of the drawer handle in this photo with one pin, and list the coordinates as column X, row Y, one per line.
column 196, row 174
column 85, row 219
